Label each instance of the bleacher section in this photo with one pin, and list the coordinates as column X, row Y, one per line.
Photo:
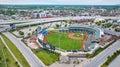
column 43, row 32
column 46, row 46
column 40, row 36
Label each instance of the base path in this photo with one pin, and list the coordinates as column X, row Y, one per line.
column 71, row 35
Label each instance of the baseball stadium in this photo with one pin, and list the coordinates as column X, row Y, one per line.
column 75, row 38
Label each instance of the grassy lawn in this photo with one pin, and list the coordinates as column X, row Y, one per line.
column 47, row 57
column 65, row 42
column 4, row 54
column 15, row 51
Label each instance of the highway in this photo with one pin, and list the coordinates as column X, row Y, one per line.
column 46, row 20
column 100, row 58
column 43, row 20
column 27, row 53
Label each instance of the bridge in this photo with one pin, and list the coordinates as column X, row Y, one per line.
column 48, row 20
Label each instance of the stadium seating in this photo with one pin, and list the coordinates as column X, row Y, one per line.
column 43, row 32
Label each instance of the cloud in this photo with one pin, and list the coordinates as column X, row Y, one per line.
column 80, row 2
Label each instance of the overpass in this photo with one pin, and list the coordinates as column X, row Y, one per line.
column 57, row 19
column 48, row 20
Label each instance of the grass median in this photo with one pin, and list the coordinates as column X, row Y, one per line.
column 16, row 52
column 111, row 58
column 6, row 59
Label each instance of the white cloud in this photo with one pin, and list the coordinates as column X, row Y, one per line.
column 87, row 2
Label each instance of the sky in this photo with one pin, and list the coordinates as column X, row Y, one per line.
column 62, row 2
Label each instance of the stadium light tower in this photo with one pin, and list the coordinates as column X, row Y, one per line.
column 59, row 40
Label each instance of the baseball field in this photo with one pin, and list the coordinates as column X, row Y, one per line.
column 66, row 41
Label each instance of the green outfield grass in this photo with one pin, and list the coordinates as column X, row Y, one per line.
column 65, row 42
column 47, row 57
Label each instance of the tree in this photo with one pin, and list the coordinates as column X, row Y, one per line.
column 106, row 63
column 7, row 59
column 65, row 25
column 33, row 32
column 29, row 34
column 108, row 57
column 92, row 21
column 21, row 33
column 16, row 62
column 117, row 29
column 0, row 58
column 114, row 26
column 103, row 21
column 57, row 25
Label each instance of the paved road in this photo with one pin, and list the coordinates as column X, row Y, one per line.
column 115, row 63
column 46, row 20
column 58, row 18
column 27, row 53
column 99, row 59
